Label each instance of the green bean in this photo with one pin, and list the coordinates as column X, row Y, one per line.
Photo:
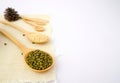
column 39, row 60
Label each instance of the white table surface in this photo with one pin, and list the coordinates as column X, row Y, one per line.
column 86, row 35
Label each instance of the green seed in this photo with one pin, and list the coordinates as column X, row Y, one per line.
column 33, row 42
column 23, row 34
column 21, row 53
column 5, row 44
column 39, row 60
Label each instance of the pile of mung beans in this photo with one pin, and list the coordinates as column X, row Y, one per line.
column 39, row 60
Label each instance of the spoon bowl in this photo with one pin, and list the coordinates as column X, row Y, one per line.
column 37, row 37
column 37, row 27
column 38, row 24
column 40, row 71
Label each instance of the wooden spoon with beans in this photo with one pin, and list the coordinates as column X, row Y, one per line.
column 27, row 51
column 32, row 36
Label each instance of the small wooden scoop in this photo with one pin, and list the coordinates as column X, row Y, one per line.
column 35, row 22
column 37, row 27
column 32, row 36
column 25, row 50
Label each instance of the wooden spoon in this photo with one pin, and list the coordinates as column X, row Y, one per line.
column 36, row 20
column 36, row 23
column 37, row 27
column 32, row 36
column 25, row 50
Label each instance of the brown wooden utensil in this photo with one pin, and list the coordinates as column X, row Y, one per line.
column 37, row 23
column 26, row 50
column 32, row 36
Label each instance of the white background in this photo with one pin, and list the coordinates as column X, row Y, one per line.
column 86, row 35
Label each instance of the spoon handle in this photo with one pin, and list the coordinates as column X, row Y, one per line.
column 14, row 26
column 20, row 45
